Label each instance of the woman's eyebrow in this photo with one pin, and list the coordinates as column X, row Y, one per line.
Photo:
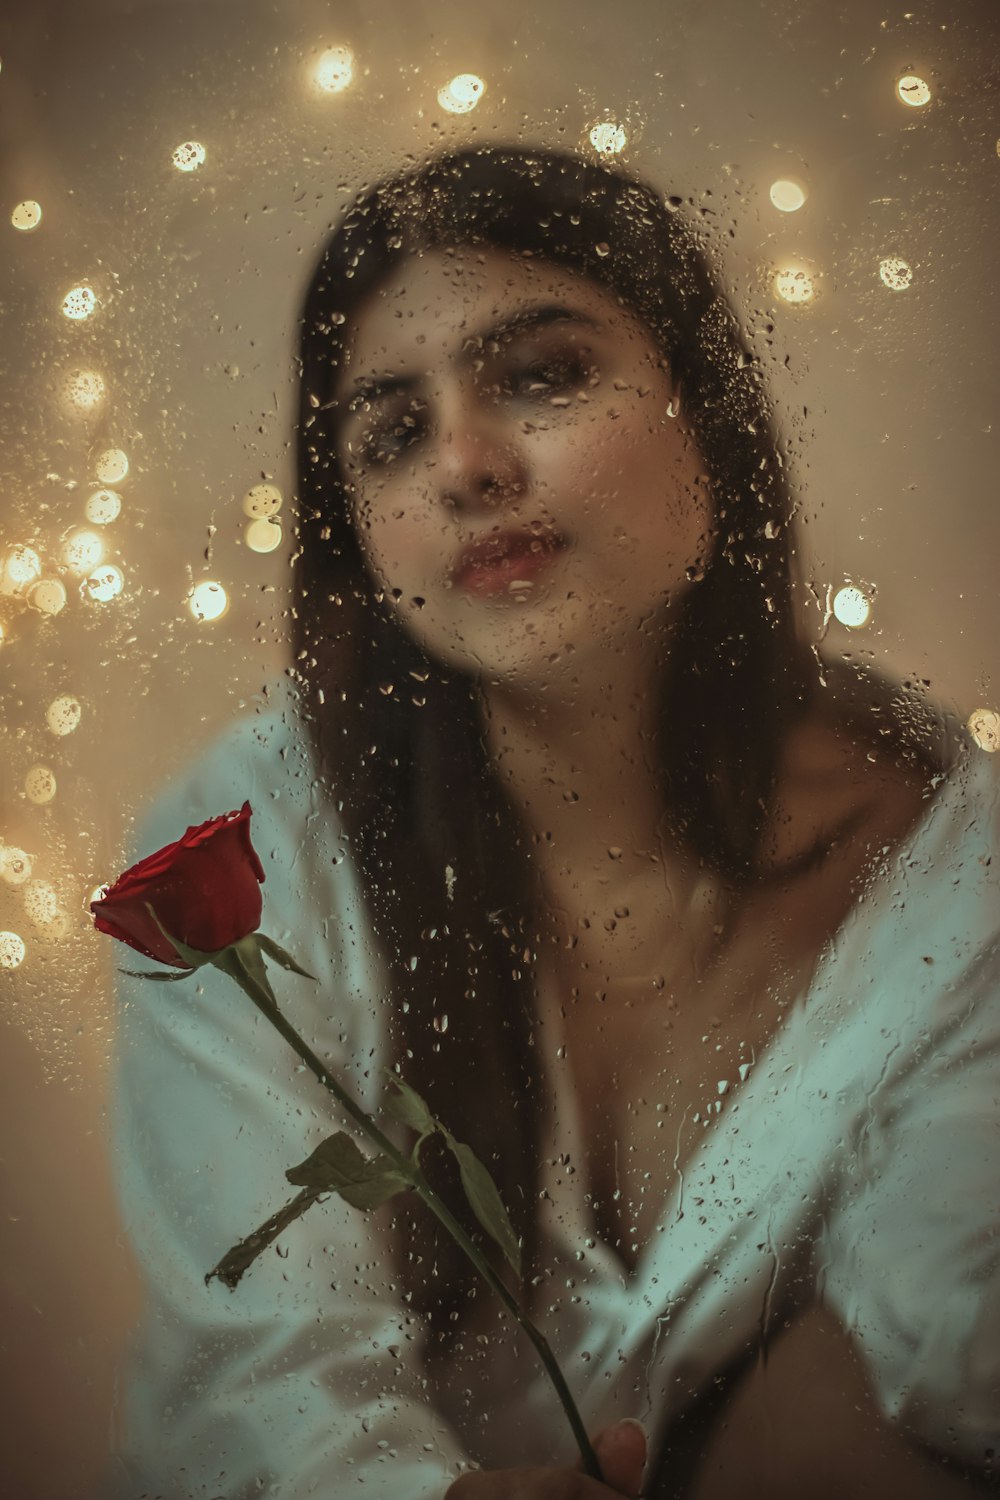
column 536, row 317
column 372, row 388
column 368, row 388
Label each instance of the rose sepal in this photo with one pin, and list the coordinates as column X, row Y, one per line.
column 191, row 956
column 282, row 956
column 241, row 960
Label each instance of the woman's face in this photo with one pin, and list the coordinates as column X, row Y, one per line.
column 523, row 479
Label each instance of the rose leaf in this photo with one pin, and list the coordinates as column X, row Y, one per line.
column 337, row 1166
column 407, row 1106
column 485, row 1201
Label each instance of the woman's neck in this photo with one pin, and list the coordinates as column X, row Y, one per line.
column 579, row 758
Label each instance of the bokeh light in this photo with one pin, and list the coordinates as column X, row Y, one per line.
column 786, row 195
column 913, row 90
column 26, row 215
column 63, row 714
column 48, row 596
column 334, row 70
column 40, row 902
column 895, row 273
column 208, row 601
column 102, row 507
column 40, row 785
column 15, row 865
column 262, row 500
column 12, row 950
column 794, row 285
column 21, row 567
column 263, row 535
column 461, row 93
column 82, row 551
column 189, row 156
column 79, row 303
column 111, row 466
column 84, row 390
column 852, row 607
column 103, row 584
column 608, row 137
column 984, row 726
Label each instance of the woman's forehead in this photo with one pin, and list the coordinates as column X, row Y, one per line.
column 438, row 300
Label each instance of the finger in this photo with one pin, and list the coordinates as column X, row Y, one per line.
column 621, row 1452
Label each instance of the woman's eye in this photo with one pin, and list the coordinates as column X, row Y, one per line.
column 391, row 435
column 544, row 377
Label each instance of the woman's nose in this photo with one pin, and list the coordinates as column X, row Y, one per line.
column 480, row 463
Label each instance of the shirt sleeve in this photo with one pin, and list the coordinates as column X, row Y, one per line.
column 306, row 1379
column 913, row 1249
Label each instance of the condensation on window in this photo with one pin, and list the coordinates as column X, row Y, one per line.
column 639, row 924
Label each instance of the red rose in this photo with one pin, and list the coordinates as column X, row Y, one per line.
column 204, row 889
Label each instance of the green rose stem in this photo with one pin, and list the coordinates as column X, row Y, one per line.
column 242, row 961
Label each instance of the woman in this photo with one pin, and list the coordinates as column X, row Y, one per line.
column 615, row 886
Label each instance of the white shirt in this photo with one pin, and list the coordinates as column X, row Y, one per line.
column 863, row 1145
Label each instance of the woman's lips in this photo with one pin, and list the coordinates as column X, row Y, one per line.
column 496, row 564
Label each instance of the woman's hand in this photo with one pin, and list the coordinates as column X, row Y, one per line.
column 621, row 1453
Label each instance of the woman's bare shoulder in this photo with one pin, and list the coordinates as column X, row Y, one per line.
column 841, row 790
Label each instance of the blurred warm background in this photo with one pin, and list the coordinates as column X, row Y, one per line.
column 167, row 174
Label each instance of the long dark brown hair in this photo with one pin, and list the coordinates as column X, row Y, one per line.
column 444, row 861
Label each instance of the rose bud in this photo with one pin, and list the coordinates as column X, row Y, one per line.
column 205, row 890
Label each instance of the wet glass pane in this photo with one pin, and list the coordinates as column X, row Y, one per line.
column 503, row 497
